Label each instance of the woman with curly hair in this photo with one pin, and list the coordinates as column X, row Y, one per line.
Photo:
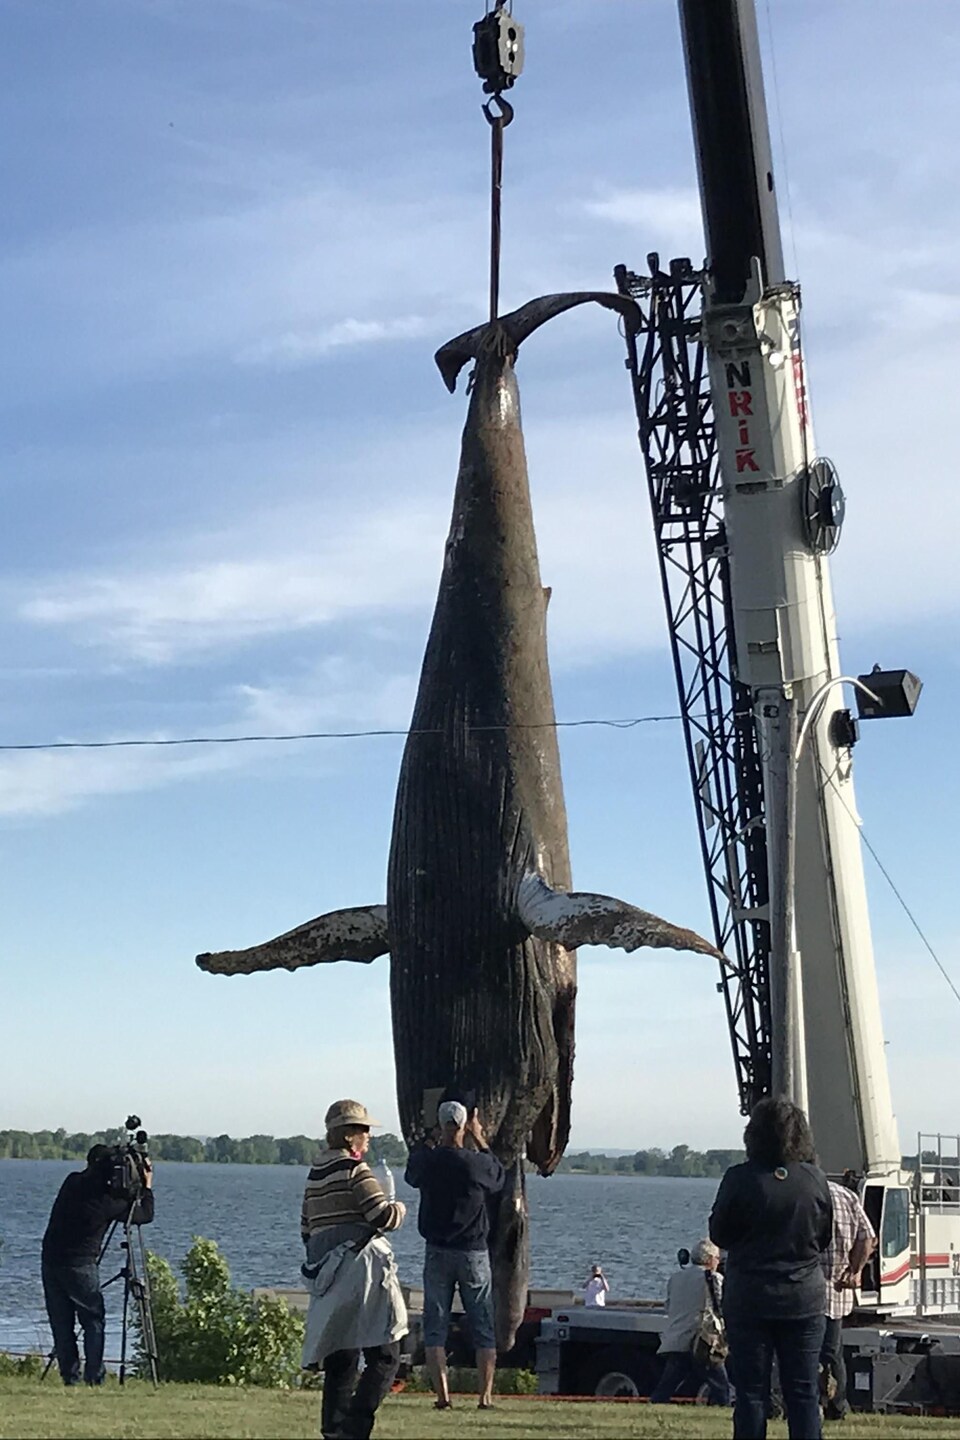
column 774, row 1216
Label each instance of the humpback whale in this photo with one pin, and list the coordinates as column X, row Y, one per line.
column 480, row 922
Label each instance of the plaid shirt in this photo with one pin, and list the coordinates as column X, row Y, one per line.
column 850, row 1224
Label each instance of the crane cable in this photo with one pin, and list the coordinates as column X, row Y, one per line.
column 498, row 60
column 829, row 780
column 783, row 158
column 498, row 120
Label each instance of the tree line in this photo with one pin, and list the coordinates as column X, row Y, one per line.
column 681, row 1160
column 301, row 1149
column 216, row 1150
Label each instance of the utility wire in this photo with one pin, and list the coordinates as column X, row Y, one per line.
column 628, row 724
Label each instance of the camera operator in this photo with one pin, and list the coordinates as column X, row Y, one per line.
column 82, row 1212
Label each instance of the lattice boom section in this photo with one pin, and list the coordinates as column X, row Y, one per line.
column 668, row 365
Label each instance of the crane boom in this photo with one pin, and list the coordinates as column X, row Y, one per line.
column 749, row 527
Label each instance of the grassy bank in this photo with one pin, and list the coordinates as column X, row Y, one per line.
column 29, row 1410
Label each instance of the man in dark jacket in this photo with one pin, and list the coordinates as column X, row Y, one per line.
column 81, row 1214
column 455, row 1180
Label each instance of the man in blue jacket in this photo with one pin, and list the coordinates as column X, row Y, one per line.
column 455, row 1178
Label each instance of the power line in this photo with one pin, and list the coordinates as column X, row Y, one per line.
column 627, row 724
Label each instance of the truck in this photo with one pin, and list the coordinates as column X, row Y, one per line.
column 746, row 514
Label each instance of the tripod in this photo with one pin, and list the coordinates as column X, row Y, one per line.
column 136, row 1283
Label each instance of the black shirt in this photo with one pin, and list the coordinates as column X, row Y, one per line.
column 81, row 1214
column 774, row 1226
column 454, row 1185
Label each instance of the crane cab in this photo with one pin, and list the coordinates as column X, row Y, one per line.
column 915, row 1269
column 887, row 1276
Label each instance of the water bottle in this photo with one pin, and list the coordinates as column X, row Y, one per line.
column 385, row 1176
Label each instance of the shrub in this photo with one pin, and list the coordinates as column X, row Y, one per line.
column 27, row 1367
column 217, row 1333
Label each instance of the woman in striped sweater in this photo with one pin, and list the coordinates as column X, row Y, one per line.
column 355, row 1299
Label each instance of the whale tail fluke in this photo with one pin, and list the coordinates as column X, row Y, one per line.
column 359, row 934
column 573, row 918
column 506, row 334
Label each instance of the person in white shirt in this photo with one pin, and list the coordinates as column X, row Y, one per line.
column 595, row 1290
column 690, row 1291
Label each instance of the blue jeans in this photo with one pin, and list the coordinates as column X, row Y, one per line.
column 468, row 1271
column 72, row 1293
column 831, row 1358
column 683, row 1376
column 796, row 1344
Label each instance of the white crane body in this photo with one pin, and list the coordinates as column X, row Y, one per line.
column 781, row 514
column 785, row 627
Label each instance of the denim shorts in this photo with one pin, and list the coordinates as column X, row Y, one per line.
column 469, row 1271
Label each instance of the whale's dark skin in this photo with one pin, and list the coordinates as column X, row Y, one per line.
column 480, row 805
column 480, row 922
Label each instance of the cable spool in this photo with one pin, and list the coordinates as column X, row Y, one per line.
column 823, row 505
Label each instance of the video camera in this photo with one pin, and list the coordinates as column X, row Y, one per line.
column 126, row 1167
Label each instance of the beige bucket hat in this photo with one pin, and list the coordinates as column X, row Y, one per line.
column 348, row 1112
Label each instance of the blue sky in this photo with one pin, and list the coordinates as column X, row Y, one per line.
column 234, row 233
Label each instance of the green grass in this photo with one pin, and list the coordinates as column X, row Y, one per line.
column 29, row 1409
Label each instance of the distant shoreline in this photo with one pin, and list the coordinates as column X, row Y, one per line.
column 681, row 1162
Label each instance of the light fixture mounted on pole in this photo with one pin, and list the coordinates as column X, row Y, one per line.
column 888, row 693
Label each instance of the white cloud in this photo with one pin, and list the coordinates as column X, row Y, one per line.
column 668, row 216
column 338, row 689
column 302, row 348
column 317, row 565
column 379, row 562
column 595, row 542
column 51, row 782
column 338, row 692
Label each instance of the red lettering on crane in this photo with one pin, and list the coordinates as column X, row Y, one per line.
column 741, row 402
column 746, row 461
column 744, row 433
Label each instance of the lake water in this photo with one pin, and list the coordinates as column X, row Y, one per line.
column 632, row 1225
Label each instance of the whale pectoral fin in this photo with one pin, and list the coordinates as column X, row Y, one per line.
column 572, row 918
column 359, row 934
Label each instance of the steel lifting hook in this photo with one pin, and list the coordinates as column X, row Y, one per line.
column 506, row 111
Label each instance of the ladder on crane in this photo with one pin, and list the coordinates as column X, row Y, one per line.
column 667, row 362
